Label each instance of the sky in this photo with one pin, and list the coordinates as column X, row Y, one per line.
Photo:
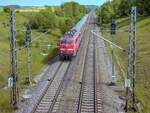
column 48, row 2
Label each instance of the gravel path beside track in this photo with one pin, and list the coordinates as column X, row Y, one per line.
column 111, row 101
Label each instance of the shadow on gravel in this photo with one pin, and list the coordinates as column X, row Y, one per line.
column 52, row 57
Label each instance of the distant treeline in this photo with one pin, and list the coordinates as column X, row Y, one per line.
column 122, row 8
column 63, row 17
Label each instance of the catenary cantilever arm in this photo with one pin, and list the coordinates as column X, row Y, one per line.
column 124, row 50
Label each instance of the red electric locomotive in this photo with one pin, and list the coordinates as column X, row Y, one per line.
column 69, row 43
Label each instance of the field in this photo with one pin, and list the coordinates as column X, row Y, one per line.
column 38, row 59
column 143, row 54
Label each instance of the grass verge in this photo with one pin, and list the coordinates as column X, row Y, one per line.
column 143, row 54
column 38, row 60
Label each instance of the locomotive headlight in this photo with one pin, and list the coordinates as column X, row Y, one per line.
column 62, row 49
column 70, row 49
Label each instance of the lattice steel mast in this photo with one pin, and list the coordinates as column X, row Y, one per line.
column 14, row 70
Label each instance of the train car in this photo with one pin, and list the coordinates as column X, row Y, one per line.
column 70, row 42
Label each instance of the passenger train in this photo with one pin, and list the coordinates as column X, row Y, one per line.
column 70, row 41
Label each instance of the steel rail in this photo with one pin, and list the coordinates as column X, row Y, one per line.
column 44, row 92
column 58, row 91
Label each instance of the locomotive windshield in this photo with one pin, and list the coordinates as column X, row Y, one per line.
column 66, row 42
column 70, row 33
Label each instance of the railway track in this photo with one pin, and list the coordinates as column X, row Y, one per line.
column 49, row 97
column 87, row 92
column 90, row 100
column 50, row 100
column 98, row 82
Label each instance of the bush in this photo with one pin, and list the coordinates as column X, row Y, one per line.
column 6, row 9
column 20, row 39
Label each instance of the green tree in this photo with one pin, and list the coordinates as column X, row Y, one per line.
column 6, row 9
column 124, row 8
column 107, row 12
column 75, row 9
column 143, row 7
column 66, row 24
column 59, row 12
column 67, row 8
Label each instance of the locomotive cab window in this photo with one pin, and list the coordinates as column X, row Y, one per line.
column 66, row 42
column 68, row 35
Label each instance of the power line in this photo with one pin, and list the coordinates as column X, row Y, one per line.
column 38, row 37
column 119, row 47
